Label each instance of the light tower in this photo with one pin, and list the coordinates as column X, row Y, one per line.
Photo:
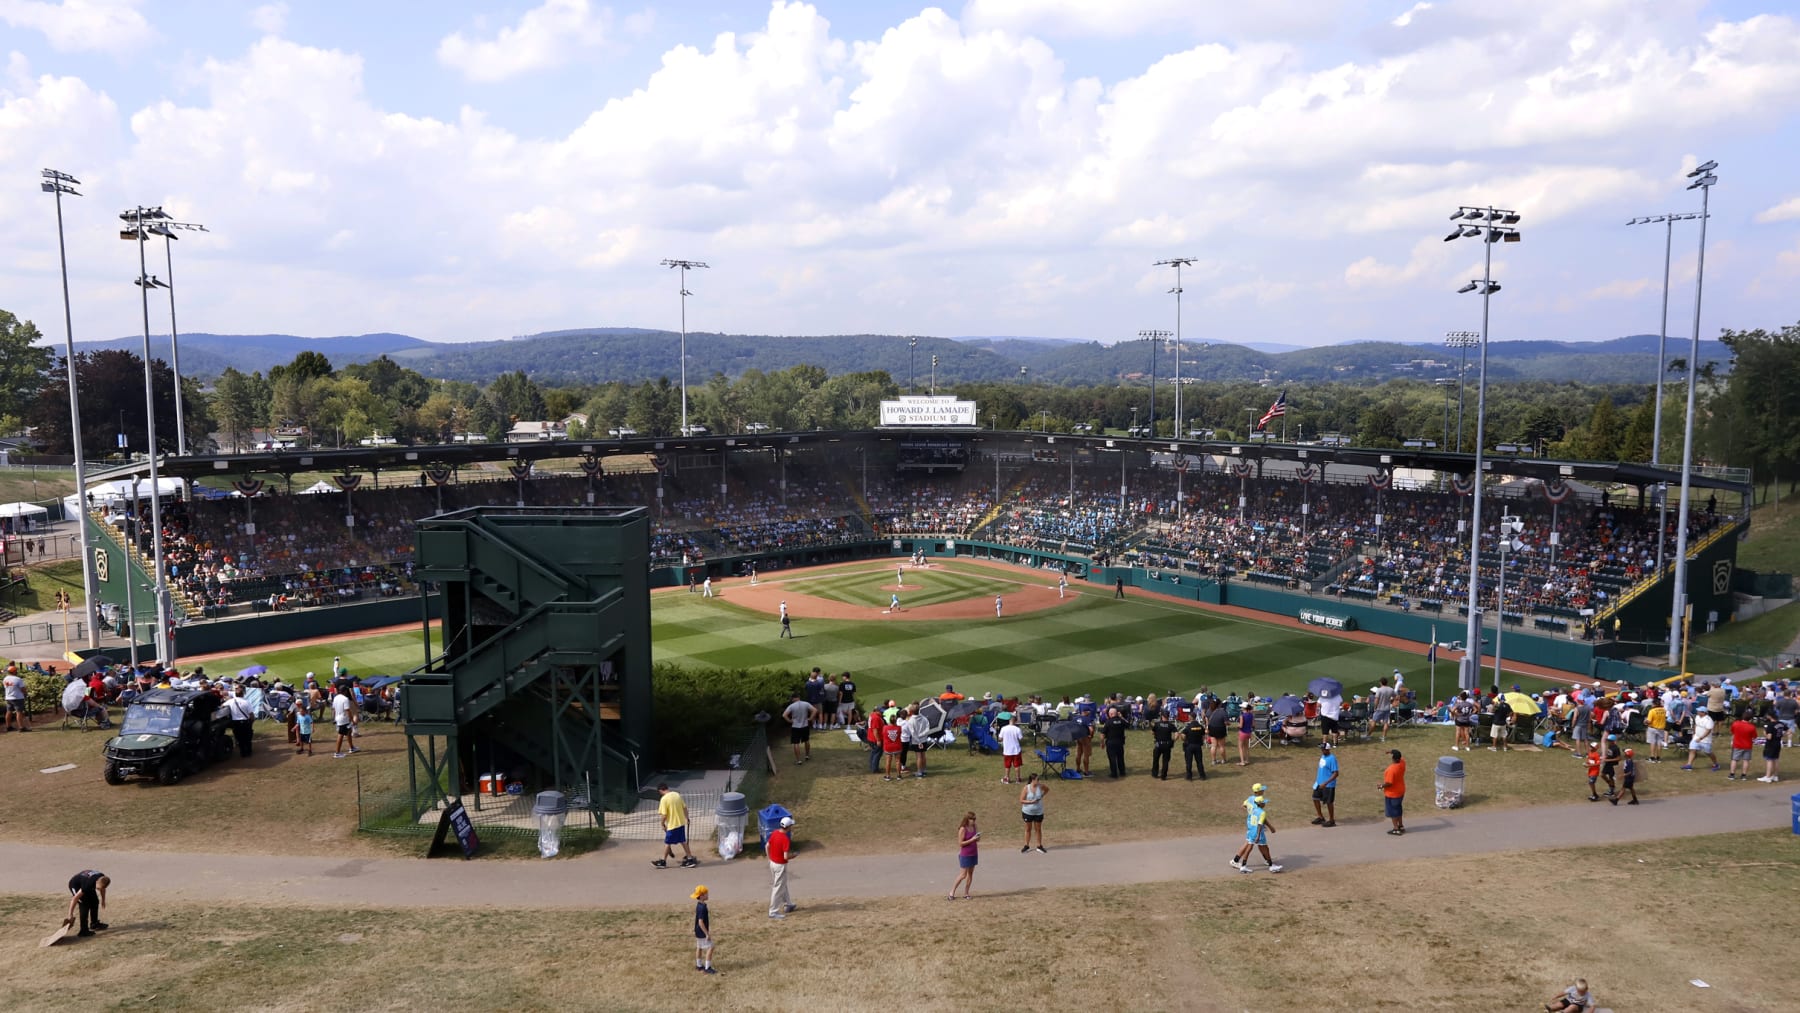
column 57, row 184
column 1177, row 263
column 684, row 266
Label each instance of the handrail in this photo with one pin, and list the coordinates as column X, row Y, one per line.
column 548, row 571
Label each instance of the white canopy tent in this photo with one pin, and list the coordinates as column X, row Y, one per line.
column 18, row 510
column 110, row 493
column 320, row 486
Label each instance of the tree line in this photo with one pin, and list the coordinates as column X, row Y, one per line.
column 1750, row 417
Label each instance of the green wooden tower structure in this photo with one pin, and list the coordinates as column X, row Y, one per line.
column 545, row 655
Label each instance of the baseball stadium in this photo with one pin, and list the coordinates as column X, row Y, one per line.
column 565, row 629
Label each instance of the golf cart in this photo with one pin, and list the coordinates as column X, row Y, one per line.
column 167, row 734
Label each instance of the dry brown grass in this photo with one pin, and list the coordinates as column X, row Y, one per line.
column 1494, row 932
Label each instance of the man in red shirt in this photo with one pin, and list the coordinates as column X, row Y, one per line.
column 1393, row 791
column 1743, row 737
column 779, row 856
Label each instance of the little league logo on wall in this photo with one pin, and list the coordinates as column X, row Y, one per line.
column 101, row 562
column 1721, row 576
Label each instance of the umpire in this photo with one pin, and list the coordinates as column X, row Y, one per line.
column 87, row 895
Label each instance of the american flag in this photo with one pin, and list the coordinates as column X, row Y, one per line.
column 1276, row 410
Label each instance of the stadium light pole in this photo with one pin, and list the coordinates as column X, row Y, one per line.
column 167, row 230
column 684, row 266
column 1510, row 527
column 1703, row 181
column 912, row 370
column 1463, row 340
column 1662, row 342
column 1495, row 226
column 58, row 183
column 1155, row 338
column 139, row 220
column 934, row 374
column 1177, row 263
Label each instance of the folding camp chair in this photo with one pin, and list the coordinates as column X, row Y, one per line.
column 1262, row 730
column 981, row 737
column 1054, row 759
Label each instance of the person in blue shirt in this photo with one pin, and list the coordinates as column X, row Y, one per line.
column 1257, row 828
column 1325, row 788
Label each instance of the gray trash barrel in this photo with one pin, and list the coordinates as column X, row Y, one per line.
column 732, row 816
column 552, row 808
column 1448, row 780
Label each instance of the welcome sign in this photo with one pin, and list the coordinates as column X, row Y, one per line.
column 928, row 411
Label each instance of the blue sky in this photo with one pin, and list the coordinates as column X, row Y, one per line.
column 468, row 171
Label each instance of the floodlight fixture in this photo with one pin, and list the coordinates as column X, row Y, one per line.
column 1702, row 169
column 1704, row 181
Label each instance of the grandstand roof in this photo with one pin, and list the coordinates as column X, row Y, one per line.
column 408, row 458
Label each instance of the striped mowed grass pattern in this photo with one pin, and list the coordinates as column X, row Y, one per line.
column 1092, row 645
column 873, row 586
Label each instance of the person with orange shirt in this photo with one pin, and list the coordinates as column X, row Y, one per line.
column 1393, row 792
column 1593, row 771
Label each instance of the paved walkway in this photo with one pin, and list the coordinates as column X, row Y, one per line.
column 620, row 876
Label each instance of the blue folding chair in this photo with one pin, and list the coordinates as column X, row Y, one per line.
column 1055, row 760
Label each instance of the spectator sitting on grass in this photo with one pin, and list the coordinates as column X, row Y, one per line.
column 1575, row 997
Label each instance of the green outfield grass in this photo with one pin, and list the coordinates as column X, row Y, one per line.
column 1092, row 645
column 381, row 654
column 873, row 585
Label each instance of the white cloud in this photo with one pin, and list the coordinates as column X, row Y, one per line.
column 1624, row 288
column 1787, row 211
column 1414, row 11
column 112, row 26
column 545, row 37
column 270, row 19
column 943, row 176
column 1137, row 17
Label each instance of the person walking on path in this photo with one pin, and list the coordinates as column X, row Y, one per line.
column 1702, row 742
column 968, row 837
column 1771, row 751
column 799, row 714
column 1257, row 829
column 671, row 811
column 1393, row 792
column 1193, row 745
column 87, row 897
column 1630, row 773
column 780, row 841
column 1162, row 749
column 1031, row 808
column 703, row 937
column 1324, row 795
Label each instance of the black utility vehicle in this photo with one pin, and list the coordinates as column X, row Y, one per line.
column 168, row 734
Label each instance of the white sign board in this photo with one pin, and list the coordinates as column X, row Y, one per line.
column 928, row 411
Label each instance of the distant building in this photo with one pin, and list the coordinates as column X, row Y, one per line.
column 527, row 432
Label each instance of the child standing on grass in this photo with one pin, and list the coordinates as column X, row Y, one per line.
column 303, row 722
column 703, row 938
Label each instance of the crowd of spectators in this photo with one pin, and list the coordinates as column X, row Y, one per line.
column 1405, row 547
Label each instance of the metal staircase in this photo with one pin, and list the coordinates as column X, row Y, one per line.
column 545, row 649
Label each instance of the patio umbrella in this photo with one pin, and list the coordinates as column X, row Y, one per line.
column 963, row 709
column 1323, row 686
column 1521, row 704
column 91, row 665
column 1289, row 704
column 1066, row 731
column 253, row 670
